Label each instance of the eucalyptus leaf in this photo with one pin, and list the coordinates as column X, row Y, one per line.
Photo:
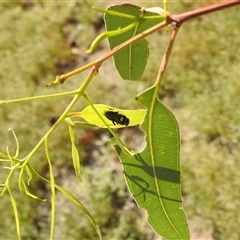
column 17, row 143
column 153, row 175
column 15, row 210
column 131, row 61
column 135, row 116
column 24, row 190
column 73, row 199
column 75, row 154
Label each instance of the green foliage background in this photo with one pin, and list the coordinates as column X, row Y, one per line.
column 201, row 86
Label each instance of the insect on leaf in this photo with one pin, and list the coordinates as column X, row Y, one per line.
column 153, row 175
column 135, row 116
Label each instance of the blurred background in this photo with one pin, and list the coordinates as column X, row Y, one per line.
column 201, row 86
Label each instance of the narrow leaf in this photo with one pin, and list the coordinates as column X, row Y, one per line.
column 24, row 190
column 73, row 199
column 79, row 204
column 23, row 187
column 69, row 121
column 17, row 149
column 15, row 210
column 53, row 192
column 75, row 154
column 153, row 175
column 29, row 175
column 131, row 61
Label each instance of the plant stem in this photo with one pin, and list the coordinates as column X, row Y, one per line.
column 97, row 63
column 18, row 100
column 166, row 58
column 78, row 93
column 183, row 17
column 171, row 18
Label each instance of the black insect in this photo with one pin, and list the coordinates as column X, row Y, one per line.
column 117, row 118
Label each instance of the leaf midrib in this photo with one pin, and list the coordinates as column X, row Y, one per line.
column 150, row 130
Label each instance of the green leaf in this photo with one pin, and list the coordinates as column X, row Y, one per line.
column 75, row 154
column 23, row 187
column 69, row 121
column 53, row 190
column 24, row 190
column 79, row 204
column 153, row 175
column 15, row 210
column 135, row 116
column 29, row 175
column 73, row 199
column 131, row 61
column 17, row 149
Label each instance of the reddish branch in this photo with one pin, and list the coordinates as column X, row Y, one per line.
column 183, row 17
column 178, row 19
